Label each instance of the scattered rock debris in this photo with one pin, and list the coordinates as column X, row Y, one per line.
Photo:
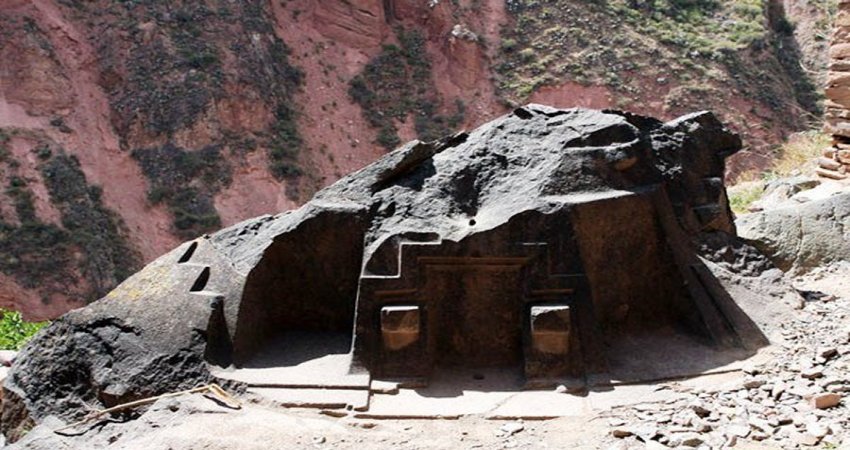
column 798, row 399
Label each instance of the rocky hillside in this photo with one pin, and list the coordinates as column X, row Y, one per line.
column 128, row 126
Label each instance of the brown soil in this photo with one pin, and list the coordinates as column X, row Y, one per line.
column 52, row 68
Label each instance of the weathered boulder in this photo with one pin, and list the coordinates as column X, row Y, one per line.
column 777, row 192
column 800, row 237
column 147, row 336
column 596, row 215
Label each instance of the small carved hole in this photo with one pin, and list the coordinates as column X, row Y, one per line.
column 201, row 281
column 523, row 114
column 188, row 254
column 472, row 222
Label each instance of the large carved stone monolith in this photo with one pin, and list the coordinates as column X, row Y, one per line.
column 547, row 242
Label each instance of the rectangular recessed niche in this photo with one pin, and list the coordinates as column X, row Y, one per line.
column 399, row 326
column 550, row 329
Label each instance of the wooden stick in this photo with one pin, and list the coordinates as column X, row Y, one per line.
column 214, row 389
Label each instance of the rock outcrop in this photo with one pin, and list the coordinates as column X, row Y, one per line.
column 801, row 237
column 542, row 240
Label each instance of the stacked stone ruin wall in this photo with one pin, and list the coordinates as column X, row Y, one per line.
column 835, row 161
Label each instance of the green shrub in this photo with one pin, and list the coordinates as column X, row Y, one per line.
column 387, row 137
column 508, row 45
column 284, row 145
column 5, row 154
column 15, row 331
column 527, row 54
column 43, row 152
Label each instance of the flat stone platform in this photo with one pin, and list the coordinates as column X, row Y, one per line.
column 310, row 370
column 301, row 360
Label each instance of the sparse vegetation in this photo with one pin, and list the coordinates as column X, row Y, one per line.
column 742, row 195
column 396, row 84
column 4, row 151
column 553, row 39
column 798, row 153
column 186, row 182
column 36, row 254
column 177, row 73
column 15, row 332
column 91, row 227
column 90, row 242
column 284, row 145
column 795, row 157
column 634, row 45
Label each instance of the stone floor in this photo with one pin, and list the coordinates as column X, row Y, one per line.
column 311, row 371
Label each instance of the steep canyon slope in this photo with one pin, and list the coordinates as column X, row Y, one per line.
column 128, row 126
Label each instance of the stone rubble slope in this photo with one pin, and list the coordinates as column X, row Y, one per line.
column 798, row 398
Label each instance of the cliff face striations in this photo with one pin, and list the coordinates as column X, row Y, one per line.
column 127, row 127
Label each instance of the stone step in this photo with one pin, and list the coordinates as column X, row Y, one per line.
column 296, row 378
column 207, row 293
column 187, row 255
column 315, row 398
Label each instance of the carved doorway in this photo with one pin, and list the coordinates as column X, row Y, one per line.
column 475, row 310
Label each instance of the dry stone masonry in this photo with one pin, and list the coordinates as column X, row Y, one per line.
column 835, row 162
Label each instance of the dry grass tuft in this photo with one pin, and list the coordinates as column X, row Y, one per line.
column 799, row 153
column 796, row 157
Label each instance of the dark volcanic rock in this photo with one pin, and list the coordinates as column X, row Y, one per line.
column 588, row 218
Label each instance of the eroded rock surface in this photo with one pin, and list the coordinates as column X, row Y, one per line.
column 801, row 237
column 595, row 211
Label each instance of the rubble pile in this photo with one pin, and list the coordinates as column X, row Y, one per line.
column 798, row 399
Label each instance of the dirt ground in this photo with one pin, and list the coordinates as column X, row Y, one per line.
column 765, row 403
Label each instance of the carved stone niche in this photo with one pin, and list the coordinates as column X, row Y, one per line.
column 552, row 349
column 550, row 329
column 399, row 326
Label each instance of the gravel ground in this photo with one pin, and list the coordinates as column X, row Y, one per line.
column 796, row 397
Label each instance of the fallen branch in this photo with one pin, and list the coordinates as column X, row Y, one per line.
column 213, row 389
